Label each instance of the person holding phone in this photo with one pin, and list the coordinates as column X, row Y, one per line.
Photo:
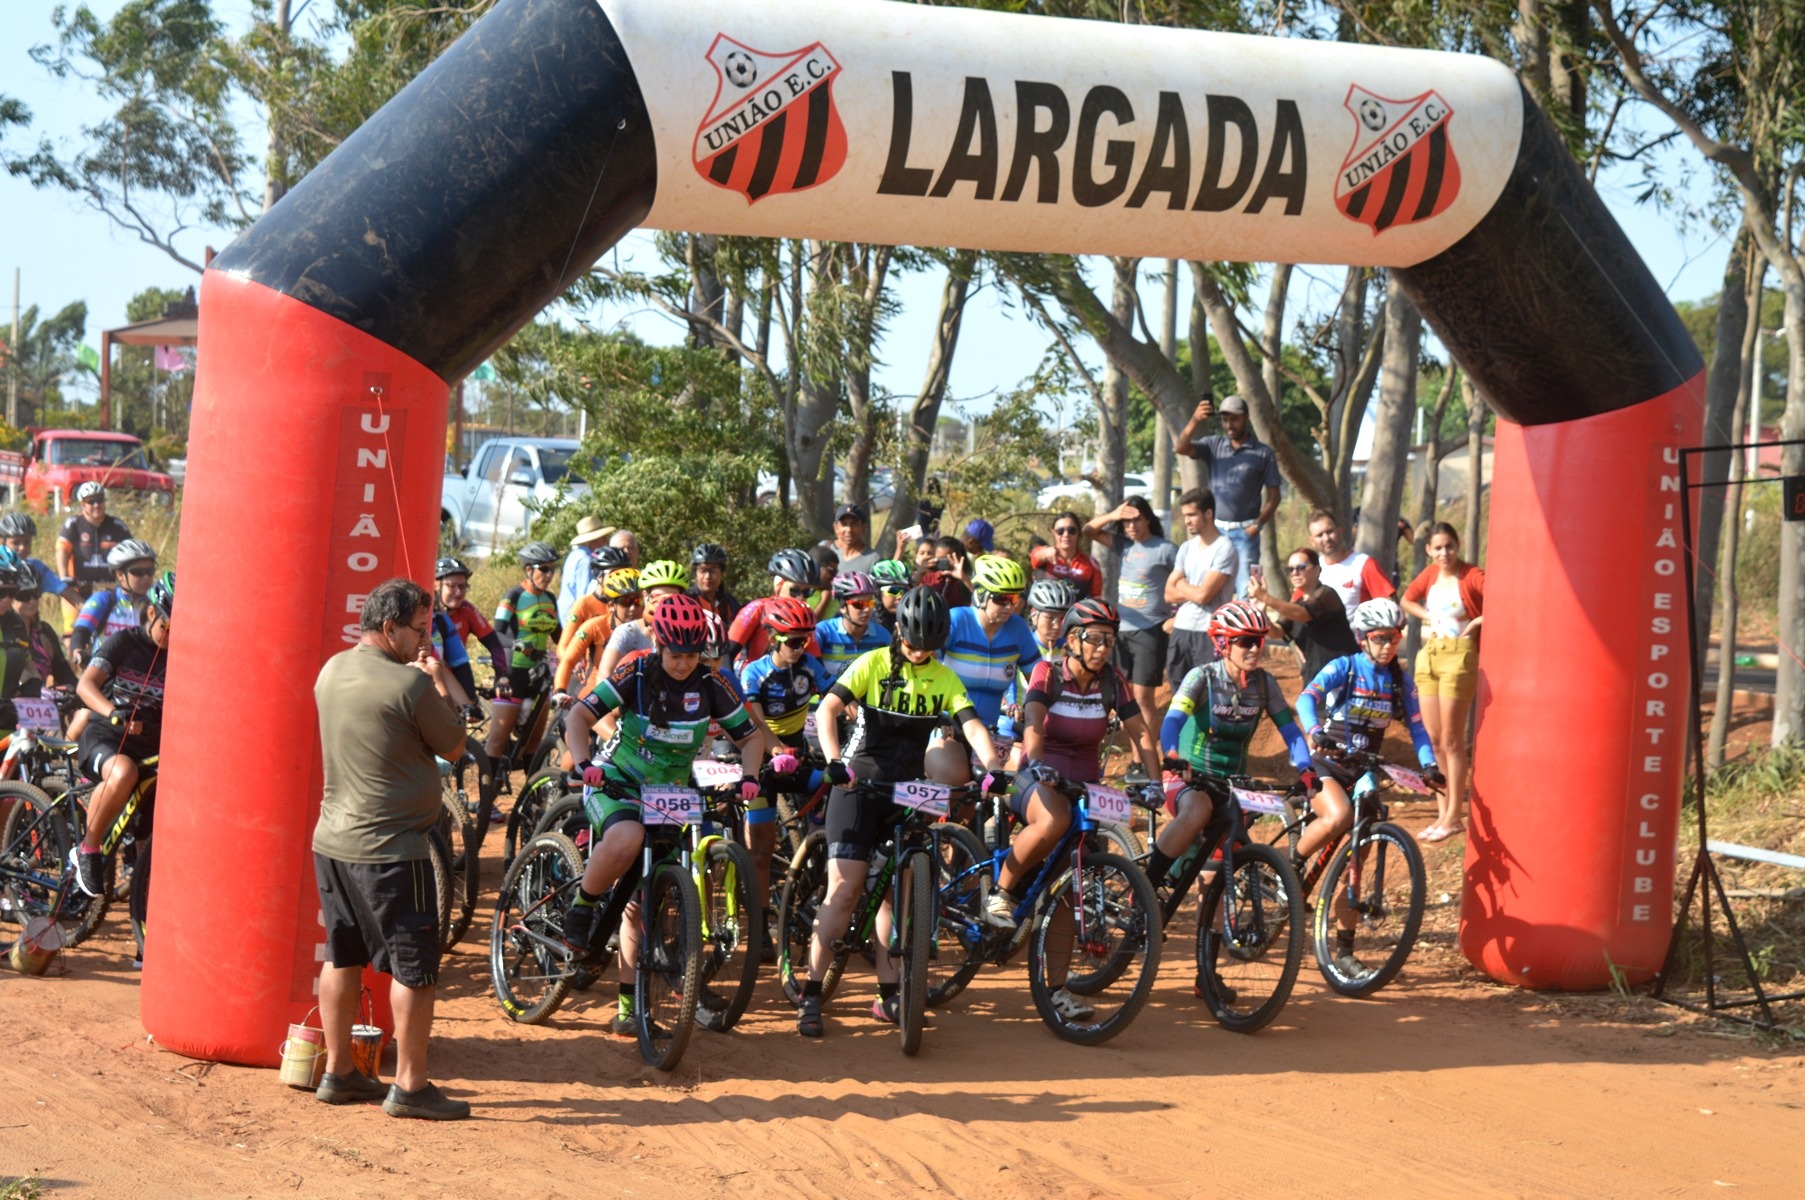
column 1244, row 477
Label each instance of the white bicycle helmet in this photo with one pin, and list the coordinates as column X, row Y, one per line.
column 90, row 491
column 129, row 551
column 1375, row 615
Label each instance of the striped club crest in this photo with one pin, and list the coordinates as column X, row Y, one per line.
column 772, row 127
column 1401, row 167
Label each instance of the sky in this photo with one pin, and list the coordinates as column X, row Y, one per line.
column 65, row 251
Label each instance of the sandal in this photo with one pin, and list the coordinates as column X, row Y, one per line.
column 1434, row 833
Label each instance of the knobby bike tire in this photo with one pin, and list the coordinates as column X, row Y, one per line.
column 565, row 815
column 446, row 884
column 536, row 794
column 1116, row 839
column 474, row 767
column 1389, row 910
column 459, row 834
column 532, row 978
column 803, row 893
column 953, row 961
column 43, row 845
column 915, row 937
column 732, row 933
column 1254, row 936
column 669, row 979
column 1116, row 920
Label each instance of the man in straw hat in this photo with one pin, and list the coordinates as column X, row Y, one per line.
column 591, row 533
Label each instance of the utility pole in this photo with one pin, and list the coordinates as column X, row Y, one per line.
column 12, row 362
column 1163, row 453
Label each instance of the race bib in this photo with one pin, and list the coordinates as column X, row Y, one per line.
column 1407, row 779
column 808, row 726
column 930, row 798
column 37, row 714
column 1107, row 804
column 711, row 774
column 660, row 805
column 1259, row 802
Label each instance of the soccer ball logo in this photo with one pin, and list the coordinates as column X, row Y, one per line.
column 1372, row 113
column 740, row 70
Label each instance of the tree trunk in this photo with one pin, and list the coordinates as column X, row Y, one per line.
column 1789, row 684
column 925, row 413
column 1748, row 362
column 1476, row 408
column 1190, row 471
column 275, row 161
column 1386, row 469
column 1272, row 344
column 871, row 266
column 1162, row 428
column 1569, row 61
column 1112, row 413
column 817, row 403
column 1433, row 449
column 1724, row 390
column 707, row 297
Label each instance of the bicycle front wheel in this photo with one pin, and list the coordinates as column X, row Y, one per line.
column 1097, row 940
column 732, row 932
column 670, row 966
column 952, row 958
column 803, row 894
column 37, row 838
column 529, row 964
column 536, row 795
column 1250, row 939
column 445, row 885
column 915, row 935
column 459, row 833
column 1383, row 888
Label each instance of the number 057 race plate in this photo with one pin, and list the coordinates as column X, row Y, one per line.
column 930, row 798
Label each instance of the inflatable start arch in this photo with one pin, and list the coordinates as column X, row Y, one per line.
column 331, row 328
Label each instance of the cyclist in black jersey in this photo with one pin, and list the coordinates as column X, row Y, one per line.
column 83, row 542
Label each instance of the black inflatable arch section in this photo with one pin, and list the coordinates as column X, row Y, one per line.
column 332, row 329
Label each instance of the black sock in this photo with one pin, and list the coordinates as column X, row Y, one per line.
column 886, row 991
column 1344, row 940
column 1158, row 864
column 811, row 988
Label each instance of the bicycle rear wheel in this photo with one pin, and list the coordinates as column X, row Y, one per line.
column 953, row 961
column 915, row 936
column 1250, row 939
column 37, row 837
column 1098, row 938
column 1387, row 893
column 445, row 884
column 670, row 966
column 732, row 931
column 456, row 827
column 536, row 795
column 529, row 964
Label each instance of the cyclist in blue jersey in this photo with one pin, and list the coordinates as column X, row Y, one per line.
column 1353, row 700
column 134, row 566
column 854, row 631
column 17, row 533
column 987, row 644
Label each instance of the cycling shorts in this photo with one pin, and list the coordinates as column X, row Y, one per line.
column 101, row 739
column 855, row 822
column 526, row 683
column 606, row 807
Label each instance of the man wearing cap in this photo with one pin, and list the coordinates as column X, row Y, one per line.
column 851, row 529
column 980, row 537
column 1243, row 476
column 590, row 534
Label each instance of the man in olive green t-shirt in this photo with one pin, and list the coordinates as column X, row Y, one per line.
column 382, row 720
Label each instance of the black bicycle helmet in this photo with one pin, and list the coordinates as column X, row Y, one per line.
column 538, row 554
column 797, row 566
column 604, row 559
column 1092, row 612
column 18, row 525
column 709, row 552
column 449, row 566
column 923, row 619
column 162, row 594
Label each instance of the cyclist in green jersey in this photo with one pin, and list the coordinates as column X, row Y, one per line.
column 528, row 616
column 666, row 701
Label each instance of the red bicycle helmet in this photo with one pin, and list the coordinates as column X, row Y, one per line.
column 681, row 624
column 787, row 616
column 1238, row 618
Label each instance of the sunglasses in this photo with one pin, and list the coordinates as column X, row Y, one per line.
column 860, row 603
column 795, row 643
column 896, row 589
column 141, row 572
column 540, row 570
column 1296, row 568
column 1097, row 639
column 1006, row 599
column 1386, row 637
column 1063, row 530
column 1248, row 641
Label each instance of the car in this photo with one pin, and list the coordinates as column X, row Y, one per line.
column 882, row 487
column 1064, row 494
column 492, row 504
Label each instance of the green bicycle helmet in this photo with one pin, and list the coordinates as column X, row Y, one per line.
column 664, row 573
column 994, row 573
column 162, row 594
column 892, row 575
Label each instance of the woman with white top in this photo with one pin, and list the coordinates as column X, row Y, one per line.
column 1449, row 598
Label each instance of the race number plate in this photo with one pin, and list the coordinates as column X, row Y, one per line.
column 1002, row 745
column 1107, row 804
column 711, row 774
column 930, row 798
column 808, row 726
column 37, row 714
column 671, row 805
column 1259, row 802
column 1407, row 779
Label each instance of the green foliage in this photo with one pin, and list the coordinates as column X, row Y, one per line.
column 994, row 479
column 1700, row 318
column 46, row 361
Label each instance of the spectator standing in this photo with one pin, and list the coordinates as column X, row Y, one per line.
column 577, row 575
column 1244, row 476
column 628, row 541
column 85, row 538
column 1356, row 578
column 1202, row 580
column 852, row 532
column 946, row 572
column 382, row 720
column 1066, row 560
column 1313, row 618
column 1449, row 598
column 1134, row 533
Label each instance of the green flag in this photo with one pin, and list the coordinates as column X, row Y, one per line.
column 88, row 357
column 483, row 373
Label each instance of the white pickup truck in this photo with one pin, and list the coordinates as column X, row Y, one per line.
column 491, row 505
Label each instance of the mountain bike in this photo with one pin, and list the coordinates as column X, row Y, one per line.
column 904, row 871
column 531, row 967
column 1374, row 874
column 1088, row 915
column 1250, row 915
column 529, row 748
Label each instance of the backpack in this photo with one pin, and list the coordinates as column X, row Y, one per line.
column 1106, row 686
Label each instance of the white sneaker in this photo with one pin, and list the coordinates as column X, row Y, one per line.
column 1070, row 1008
column 999, row 911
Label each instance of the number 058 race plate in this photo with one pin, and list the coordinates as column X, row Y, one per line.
column 662, row 805
column 930, row 798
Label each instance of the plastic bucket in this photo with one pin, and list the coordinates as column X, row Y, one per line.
column 38, row 945
column 303, row 1055
column 366, row 1048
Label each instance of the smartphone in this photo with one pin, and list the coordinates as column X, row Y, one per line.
column 1257, row 573
column 913, row 533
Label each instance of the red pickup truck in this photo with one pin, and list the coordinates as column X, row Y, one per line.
column 61, row 460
